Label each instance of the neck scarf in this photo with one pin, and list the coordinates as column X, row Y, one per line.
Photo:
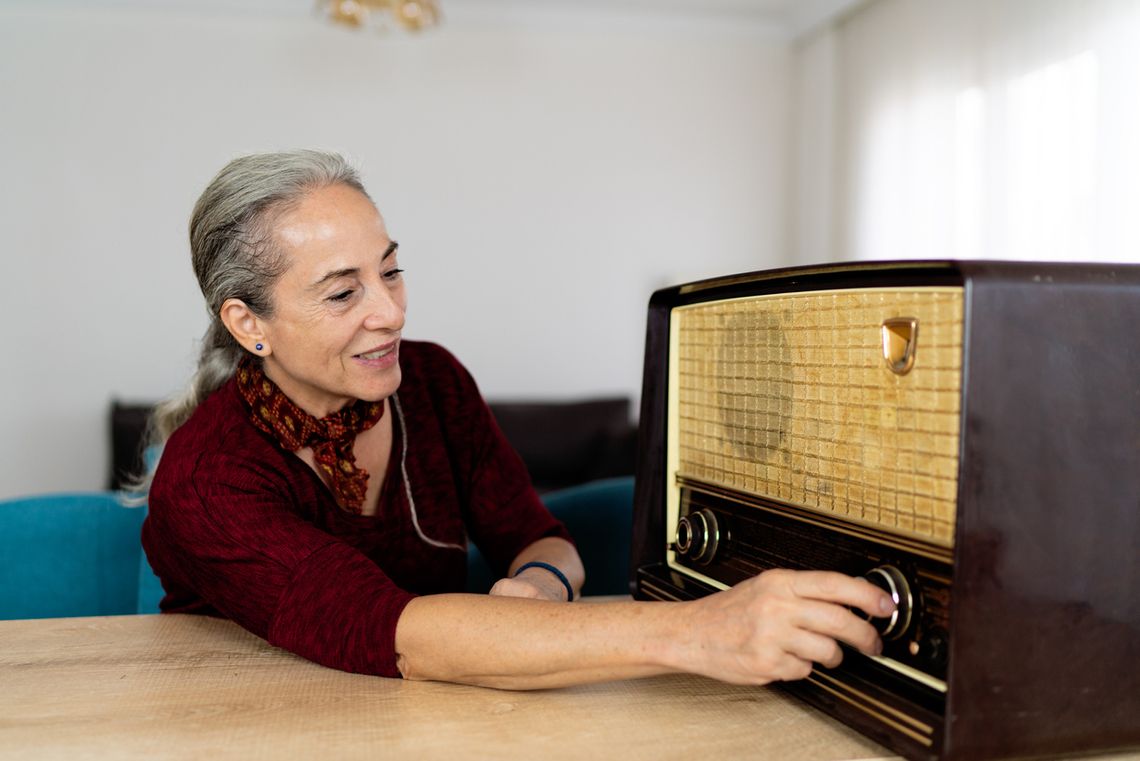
column 330, row 437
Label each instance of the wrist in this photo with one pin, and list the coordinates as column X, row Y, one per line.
column 552, row 571
column 672, row 628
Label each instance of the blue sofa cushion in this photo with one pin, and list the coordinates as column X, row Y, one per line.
column 69, row 555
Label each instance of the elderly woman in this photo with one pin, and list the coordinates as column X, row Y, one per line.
column 321, row 478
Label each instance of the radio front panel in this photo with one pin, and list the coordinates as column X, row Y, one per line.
column 790, row 398
column 794, row 443
column 961, row 434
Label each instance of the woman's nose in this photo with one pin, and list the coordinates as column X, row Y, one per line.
column 385, row 311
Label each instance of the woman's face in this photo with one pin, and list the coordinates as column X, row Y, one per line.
column 339, row 306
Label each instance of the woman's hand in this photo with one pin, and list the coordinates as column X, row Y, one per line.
column 535, row 583
column 540, row 583
column 776, row 625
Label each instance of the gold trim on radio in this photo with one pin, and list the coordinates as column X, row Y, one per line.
column 852, row 697
column 921, row 677
column 658, row 592
column 933, row 576
column 839, row 684
column 900, row 343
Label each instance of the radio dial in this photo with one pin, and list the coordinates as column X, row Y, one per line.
column 698, row 536
column 893, row 582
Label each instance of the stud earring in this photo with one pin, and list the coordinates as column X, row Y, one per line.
column 259, row 347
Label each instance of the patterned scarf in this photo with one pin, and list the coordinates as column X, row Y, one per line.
column 330, row 437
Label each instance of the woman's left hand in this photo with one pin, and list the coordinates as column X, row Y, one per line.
column 535, row 583
column 538, row 583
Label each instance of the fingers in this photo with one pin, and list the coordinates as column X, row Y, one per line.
column 811, row 648
column 845, row 590
column 793, row 668
column 541, row 586
column 836, row 622
column 776, row 625
column 515, row 588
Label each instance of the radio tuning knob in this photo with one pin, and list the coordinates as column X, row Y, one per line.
column 893, row 582
column 698, row 536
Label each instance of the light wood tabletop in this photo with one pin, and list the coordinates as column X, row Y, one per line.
column 180, row 686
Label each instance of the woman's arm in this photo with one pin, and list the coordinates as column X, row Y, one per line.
column 772, row 627
column 539, row 583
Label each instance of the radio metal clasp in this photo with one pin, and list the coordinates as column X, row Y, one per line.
column 900, row 335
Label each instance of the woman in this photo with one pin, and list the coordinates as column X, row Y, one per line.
column 321, row 476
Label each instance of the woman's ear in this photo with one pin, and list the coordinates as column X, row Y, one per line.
column 246, row 327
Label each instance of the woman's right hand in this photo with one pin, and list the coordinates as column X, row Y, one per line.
column 776, row 625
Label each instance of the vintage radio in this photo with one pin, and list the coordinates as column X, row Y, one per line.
column 965, row 435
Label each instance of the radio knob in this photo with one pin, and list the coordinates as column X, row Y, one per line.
column 893, row 582
column 684, row 540
column 698, row 536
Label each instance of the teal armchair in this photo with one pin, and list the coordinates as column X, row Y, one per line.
column 73, row 555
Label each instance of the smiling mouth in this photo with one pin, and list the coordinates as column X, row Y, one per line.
column 383, row 351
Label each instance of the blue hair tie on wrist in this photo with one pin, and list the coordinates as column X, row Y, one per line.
column 547, row 566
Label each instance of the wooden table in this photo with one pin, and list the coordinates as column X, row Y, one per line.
column 151, row 687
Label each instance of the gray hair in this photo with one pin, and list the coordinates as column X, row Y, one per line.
column 235, row 257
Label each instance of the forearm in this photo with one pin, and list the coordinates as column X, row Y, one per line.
column 515, row 643
column 771, row 627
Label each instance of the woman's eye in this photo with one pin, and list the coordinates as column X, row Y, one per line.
column 392, row 274
column 342, row 296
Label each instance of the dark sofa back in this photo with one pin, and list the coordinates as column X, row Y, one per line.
column 563, row 443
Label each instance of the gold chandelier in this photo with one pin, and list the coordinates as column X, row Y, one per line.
column 412, row 15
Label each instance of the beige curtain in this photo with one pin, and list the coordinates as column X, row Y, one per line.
column 1003, row 129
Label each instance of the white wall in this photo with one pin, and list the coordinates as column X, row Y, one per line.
column 812, row 180
column 543, row 169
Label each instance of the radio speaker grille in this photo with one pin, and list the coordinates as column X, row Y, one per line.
column 788, row 397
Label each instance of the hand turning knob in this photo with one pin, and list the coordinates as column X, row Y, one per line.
column 893, row 582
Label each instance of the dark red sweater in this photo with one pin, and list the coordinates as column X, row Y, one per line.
column 240, row 528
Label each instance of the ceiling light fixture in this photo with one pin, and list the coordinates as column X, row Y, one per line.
column 411, row 15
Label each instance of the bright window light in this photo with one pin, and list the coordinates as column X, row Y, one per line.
column 1050, row 161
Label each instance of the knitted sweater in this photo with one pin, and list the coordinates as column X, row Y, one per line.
column 240, row 528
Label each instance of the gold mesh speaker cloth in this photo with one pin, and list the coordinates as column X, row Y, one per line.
column 788, row 397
